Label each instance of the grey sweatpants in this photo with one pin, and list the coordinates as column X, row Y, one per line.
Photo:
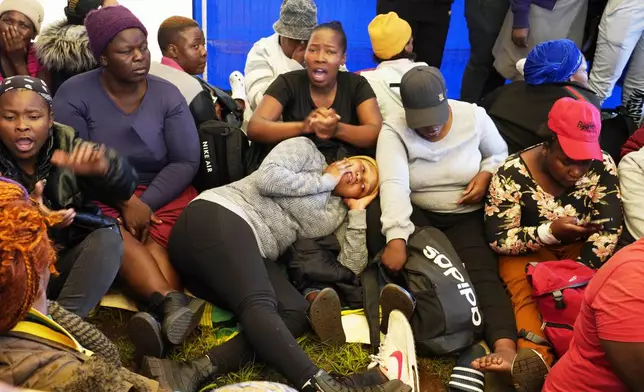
column 621, row 39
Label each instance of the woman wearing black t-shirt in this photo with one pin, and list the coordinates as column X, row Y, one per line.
column 337, row 110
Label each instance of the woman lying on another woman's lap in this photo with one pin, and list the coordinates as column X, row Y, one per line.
column 225, row 244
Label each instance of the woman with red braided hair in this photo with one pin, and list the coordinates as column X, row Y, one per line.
column 35, row 351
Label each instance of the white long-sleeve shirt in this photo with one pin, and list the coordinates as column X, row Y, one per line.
column 433, row 175
column 381, row 79
column 265, row 62
column 631, row 183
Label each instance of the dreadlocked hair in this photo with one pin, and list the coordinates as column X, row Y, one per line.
column 25, row 252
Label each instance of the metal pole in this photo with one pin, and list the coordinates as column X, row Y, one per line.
column 204, row 27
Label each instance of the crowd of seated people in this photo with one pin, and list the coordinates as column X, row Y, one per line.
column 100, row 146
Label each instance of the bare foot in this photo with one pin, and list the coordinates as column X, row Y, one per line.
column 499, row 361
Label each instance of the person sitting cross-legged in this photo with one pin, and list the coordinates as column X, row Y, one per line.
column 554, row 201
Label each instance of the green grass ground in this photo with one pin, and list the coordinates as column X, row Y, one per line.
column 346, row 360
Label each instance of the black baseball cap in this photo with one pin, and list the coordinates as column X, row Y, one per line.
column 424, row 97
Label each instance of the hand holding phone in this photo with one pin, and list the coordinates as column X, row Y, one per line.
column 600, row 222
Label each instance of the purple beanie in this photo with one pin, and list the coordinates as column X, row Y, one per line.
column 105, row 23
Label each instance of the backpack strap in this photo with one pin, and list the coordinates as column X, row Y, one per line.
column 575, row 94
column 559, row 299
column 534, row 338
column 371, row 303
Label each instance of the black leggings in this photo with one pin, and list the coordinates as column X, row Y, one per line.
column 467, row 235
column 216, row 252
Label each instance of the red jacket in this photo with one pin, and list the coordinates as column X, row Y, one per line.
column 634, row 143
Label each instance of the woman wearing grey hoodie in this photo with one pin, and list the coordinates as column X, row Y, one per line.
column 225, row 244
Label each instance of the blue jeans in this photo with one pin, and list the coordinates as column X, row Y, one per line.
column 484, row 22
column 87, row 271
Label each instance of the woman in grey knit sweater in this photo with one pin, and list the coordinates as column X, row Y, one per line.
column 226, row 241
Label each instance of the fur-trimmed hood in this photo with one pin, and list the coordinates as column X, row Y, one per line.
column 64, row 47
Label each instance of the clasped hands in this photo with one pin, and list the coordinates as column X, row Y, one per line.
column 324, row 123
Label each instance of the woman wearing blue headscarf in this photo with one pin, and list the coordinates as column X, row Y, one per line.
column 557, row 61
column 553, row 70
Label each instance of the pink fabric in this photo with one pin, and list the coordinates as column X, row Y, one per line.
column 33, row 65
column 171, row 63
column 613, row 310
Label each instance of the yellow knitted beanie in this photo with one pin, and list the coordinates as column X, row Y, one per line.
column 389, row 35
column 375, row 166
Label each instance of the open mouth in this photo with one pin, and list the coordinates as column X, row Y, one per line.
column 319, row 75
column 25, row 144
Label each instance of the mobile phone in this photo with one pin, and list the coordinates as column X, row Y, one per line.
column 600, row 221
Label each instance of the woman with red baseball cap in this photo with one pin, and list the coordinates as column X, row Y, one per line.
column 553, row 201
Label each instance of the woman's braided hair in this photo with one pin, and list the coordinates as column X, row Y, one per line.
column 25, row 252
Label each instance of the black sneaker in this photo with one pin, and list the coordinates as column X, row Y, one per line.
column 324, row 382
column 394, row 297
column 177, row 376
column 144, row 332
column 181, row 315
column 325, row 315
column 529, row 371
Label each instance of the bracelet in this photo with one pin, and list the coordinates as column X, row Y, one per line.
column 545, row 234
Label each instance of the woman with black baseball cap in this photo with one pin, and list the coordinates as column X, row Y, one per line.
column 435, row 165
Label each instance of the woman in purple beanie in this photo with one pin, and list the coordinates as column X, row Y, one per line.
column 147, row 120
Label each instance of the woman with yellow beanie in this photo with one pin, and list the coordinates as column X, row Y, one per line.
column 429, row 20
column 225, row 245
column 393, row 50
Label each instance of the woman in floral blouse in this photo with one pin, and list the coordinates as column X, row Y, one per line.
column 553, row 201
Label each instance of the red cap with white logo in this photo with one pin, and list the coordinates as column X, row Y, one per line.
column 577, row 125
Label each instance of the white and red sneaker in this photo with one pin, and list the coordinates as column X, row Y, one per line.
column 397, row 353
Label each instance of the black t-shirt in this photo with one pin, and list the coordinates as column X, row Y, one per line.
column 292, row 91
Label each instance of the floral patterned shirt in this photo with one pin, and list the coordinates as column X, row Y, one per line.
column 516, row 206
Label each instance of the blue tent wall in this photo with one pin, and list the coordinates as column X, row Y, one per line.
column 234, row 25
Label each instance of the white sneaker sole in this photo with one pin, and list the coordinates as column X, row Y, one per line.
column 398, row 317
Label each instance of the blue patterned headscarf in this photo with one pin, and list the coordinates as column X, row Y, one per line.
column 552, row 62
